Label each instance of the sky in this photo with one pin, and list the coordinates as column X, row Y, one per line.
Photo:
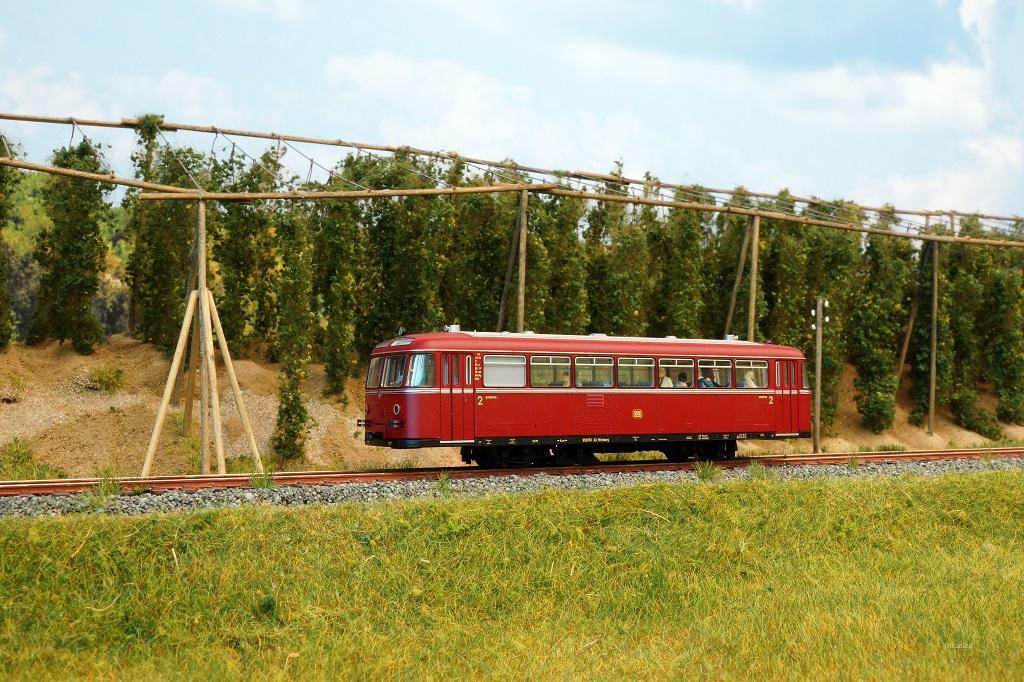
column 919, row 103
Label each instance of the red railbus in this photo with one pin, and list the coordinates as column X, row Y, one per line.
column 522, row 399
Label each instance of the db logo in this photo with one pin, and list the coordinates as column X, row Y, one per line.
column 638, row 414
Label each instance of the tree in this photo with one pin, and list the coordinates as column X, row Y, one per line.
column 163, row 234
column 8, row 181
column 683, row 285
column 877, row 323
column 70, row 253
column 557, row 222
column 293, row 332
column 337, row 295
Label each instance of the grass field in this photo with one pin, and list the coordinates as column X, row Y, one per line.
column 904, row 578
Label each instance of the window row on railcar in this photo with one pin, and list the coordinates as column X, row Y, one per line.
column 419, row 370
column 587, row 371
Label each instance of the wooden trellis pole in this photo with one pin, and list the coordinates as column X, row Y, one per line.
column 521, row 286
column 755, row 239
column 202, row 319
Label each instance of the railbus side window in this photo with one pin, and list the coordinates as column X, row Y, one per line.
column 373, row 372
column 594, row 372
column 549, row 370
column 676, row 373
column 505, row 370
column 422, row 371
column 636, row 372
column 714, row 373
column 752, row 373
column 394, row 370
column 806, row 380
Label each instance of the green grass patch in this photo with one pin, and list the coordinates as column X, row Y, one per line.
column 105, row 379
column 708, row 471
column 906, row 578
column 18, row 464
column 645, row 456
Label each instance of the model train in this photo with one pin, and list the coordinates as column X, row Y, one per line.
column 525, row 399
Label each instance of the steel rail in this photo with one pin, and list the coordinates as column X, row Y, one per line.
column 221, row 481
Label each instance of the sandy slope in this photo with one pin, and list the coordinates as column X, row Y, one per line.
column 80, row 430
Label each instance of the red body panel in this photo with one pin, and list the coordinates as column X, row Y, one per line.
column 459, row 409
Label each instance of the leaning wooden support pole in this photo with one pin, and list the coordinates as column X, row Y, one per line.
column 204, row 410
column 755, row 240
column 229, row 366
column 161, row 414
column 521, row 285
column 179, row 382
column 192, row 376
column 211, row 371
column 737, row 280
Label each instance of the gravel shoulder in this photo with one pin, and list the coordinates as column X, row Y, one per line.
column 303, row 495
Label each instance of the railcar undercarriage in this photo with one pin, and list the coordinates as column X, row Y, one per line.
column 510, row 456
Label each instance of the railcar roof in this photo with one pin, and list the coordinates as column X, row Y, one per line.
column 593, row 343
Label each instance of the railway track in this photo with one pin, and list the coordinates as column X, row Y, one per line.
column 156, row 483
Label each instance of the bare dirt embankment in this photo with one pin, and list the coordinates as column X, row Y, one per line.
column 81, row 430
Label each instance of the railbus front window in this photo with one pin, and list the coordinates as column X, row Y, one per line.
column 676, row 373
column 636, row 372
column 594, row 372
column 394, row 370
column 373, row 372
column 714, row 373
column 422, row 371
column 752, row 373
column 505, row 371
column 549, row 370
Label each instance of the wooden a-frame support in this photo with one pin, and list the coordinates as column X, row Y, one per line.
column 202, row 319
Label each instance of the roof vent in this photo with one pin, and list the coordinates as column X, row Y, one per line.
column 452, row 328
column 670, row 336
column 597, row 334
column 731, row 337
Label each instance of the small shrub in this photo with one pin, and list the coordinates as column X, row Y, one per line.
column 853, row 463
column 264, row 481
column 105, row 379
column 708, row 471
column 107, row 486
column 18, row 464
column 444, row 483
column 891, row 447
column 759, row 472
column 13, row 388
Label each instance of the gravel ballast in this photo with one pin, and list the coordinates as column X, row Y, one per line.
column 300, row 495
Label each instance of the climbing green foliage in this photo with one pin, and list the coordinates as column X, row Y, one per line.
column 877, row 325
column 294, row 329
column 245, row 250
column 163, row 235
column 8, row 181
column 70, row 253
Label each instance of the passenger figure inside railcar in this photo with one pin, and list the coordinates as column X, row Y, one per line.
column 682, row 380
column 666, row 381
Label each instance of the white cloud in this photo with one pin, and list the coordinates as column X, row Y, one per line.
column 742, row 5
column 978, row 18
column 947, row 95
column 287, row 10
column 988, row 169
